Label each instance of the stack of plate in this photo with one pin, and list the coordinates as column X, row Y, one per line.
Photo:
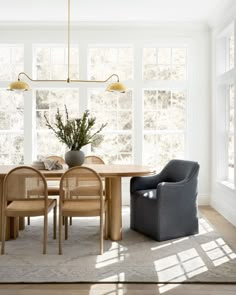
column 38, row 165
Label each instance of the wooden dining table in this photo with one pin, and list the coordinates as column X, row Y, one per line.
column 113, row 174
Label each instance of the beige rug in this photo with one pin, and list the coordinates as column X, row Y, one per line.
column 205, row 257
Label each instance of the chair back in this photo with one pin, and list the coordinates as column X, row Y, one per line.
column 22, row 180
column 178, row 170
column 80, row 183
column 93, row 160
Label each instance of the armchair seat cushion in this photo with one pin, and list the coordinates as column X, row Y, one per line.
column 148, row 194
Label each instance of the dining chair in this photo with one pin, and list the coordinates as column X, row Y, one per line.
column 18, row 203
column 93, row 160
column 53, row 183
column 81, row 195
column 53, row 187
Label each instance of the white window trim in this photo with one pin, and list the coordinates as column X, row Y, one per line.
column 224, row 78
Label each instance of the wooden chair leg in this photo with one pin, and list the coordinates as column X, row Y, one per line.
column 3, row 234
column 55, row 221
column 45, row 234
column 101, row 234
column 28, row 220
column 66, row 228
column 60, row 229
column 106, row 225
column 70, row 220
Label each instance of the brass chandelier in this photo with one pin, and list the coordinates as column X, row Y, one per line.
column 21, row 86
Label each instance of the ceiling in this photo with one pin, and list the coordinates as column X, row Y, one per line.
column 134, row 11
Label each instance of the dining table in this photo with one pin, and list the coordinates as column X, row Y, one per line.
column 112, row 173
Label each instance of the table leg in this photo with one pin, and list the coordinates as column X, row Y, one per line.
column 14, row 227
column 21, row 223
column 115, row 220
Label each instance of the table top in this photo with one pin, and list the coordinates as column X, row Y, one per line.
column 104, row 170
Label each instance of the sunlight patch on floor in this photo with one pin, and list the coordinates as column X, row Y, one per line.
column 179, row 267
column 115, row 254
column 218, row 251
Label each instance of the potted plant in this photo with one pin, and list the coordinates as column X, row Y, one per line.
column 75, row 133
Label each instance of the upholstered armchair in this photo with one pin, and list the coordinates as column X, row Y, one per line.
column 164, row 206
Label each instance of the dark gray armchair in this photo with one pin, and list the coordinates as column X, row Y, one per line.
column 164, row 206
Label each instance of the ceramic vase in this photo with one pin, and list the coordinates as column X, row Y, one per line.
column 74, row 158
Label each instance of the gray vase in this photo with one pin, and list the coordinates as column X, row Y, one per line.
column 74, row 158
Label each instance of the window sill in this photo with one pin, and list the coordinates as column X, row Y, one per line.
column 228, row 185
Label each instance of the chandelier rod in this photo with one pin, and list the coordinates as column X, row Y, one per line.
column 68, row 53
column 23, row 86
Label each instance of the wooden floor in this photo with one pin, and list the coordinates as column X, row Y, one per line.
column 227, row 230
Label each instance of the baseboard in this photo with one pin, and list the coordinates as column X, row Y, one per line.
column 203, row 199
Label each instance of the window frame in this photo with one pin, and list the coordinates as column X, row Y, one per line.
column 225, row 77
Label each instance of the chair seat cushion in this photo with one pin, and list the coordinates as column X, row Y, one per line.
column 28, row 207
column 81, row 208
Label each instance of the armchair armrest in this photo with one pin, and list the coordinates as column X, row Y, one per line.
column 177, row 192
column 144, row 182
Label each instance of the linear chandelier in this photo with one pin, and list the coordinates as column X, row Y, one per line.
column 21, row 86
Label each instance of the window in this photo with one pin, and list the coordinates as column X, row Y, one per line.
column 47, row 103
column 164, row 109
column 145, row 125
column 112, row 108
column 230, row 52
column 117, row 111
column 11, row 128
column 226, row 106
column 11, row 61
column 50, row 62
column 164, row 63
column 164, row 126
column 105, row 61
column 231, row 157
column 11, row 107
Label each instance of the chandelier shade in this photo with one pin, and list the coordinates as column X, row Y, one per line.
column 18, row 86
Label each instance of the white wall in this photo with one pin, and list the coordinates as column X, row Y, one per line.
column 223, row 198
column 199, row 108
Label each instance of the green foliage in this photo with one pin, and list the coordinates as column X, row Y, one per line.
column 75, row 133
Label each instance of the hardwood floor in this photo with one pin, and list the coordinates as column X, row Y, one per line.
column 116, row 289
column 227, row 230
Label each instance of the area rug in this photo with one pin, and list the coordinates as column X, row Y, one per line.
column 205, row 257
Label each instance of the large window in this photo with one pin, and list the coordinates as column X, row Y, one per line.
column 226, row 105
column 47, row 103
column 11, row 128
column 145, row 125
column 104, row 61
column 11, row 61
column 50, row 62
column 11, row 107
column 164, row 126
column 117, row 111
column 164, row 108
column 231, row 133
column 114, row 109
column 164, row 63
